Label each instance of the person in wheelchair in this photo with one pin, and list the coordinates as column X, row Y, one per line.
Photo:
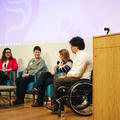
column 46, row 78
column 81, row 69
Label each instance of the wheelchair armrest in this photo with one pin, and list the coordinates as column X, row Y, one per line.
column 36, row 73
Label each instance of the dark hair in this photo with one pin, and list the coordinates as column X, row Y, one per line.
column 79, row 42
column 3, row 55
column 37, row 48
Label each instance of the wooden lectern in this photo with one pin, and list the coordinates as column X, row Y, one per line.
column 106, row 77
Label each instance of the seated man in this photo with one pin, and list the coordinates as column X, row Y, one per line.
column 35, row 64
column 81, row 68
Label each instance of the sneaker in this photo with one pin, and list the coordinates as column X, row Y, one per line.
column 55, row 112
column 85, row 102
column 37, row 105
column 53, row 107
column 34, row 91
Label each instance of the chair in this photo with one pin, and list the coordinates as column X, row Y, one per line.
column 49, row 89
column 10, row 82
column 32, row 84
column 49, row 92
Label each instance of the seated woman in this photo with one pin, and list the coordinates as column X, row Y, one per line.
column 7, row 64
column 35, row 64
column 46, row 78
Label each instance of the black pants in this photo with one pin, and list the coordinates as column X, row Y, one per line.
column 44, row 80
column 21, row 86
column 3, row 77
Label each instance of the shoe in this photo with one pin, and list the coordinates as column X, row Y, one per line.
column 37, row 105
column 53, row 107
column 18, row 102
column 55, row 112
column 85, row 102
column 34, row 91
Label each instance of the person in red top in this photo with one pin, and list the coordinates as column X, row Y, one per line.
column 7, row 64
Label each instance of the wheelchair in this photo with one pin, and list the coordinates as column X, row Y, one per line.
column 77, row 96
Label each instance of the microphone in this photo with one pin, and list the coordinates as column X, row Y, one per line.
column 107, row 29
column 58, row 62
column 5, row 65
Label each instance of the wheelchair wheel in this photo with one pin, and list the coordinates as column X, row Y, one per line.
column 80, row 98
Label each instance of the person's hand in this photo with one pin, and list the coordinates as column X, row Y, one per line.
column 62, row 76
column 69, row 75
column 4, row 69
column 25, row 75
column 52, row 73
column 8, row 70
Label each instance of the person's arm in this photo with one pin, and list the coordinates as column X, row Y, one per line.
column 55, row 67
column 69, row 75
column 25, row 71
column 14, row 67
column 78, row 67
column 64, row 67
column 1, row 64
column 25, row 75
column 41, row 65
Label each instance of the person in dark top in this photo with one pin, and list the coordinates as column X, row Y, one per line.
column 46, row 78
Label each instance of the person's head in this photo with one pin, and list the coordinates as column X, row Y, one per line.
column 37, row 51
column 77, row 43
column 6, row 55
column 64, row 55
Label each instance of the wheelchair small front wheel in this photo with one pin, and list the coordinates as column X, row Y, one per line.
column 80, row 98
column 59, row 112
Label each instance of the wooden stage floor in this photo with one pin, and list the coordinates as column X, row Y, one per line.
column 26, row 112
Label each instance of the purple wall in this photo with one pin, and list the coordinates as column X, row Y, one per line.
column 49, row 21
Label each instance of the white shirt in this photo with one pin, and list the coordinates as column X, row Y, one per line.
column 3, row 65
column 82, row 65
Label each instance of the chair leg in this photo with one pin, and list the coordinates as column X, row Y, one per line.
column 33, row 98
column 46, row 99
column 10, row 98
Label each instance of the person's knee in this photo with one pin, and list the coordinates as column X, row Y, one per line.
column 17, row 81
